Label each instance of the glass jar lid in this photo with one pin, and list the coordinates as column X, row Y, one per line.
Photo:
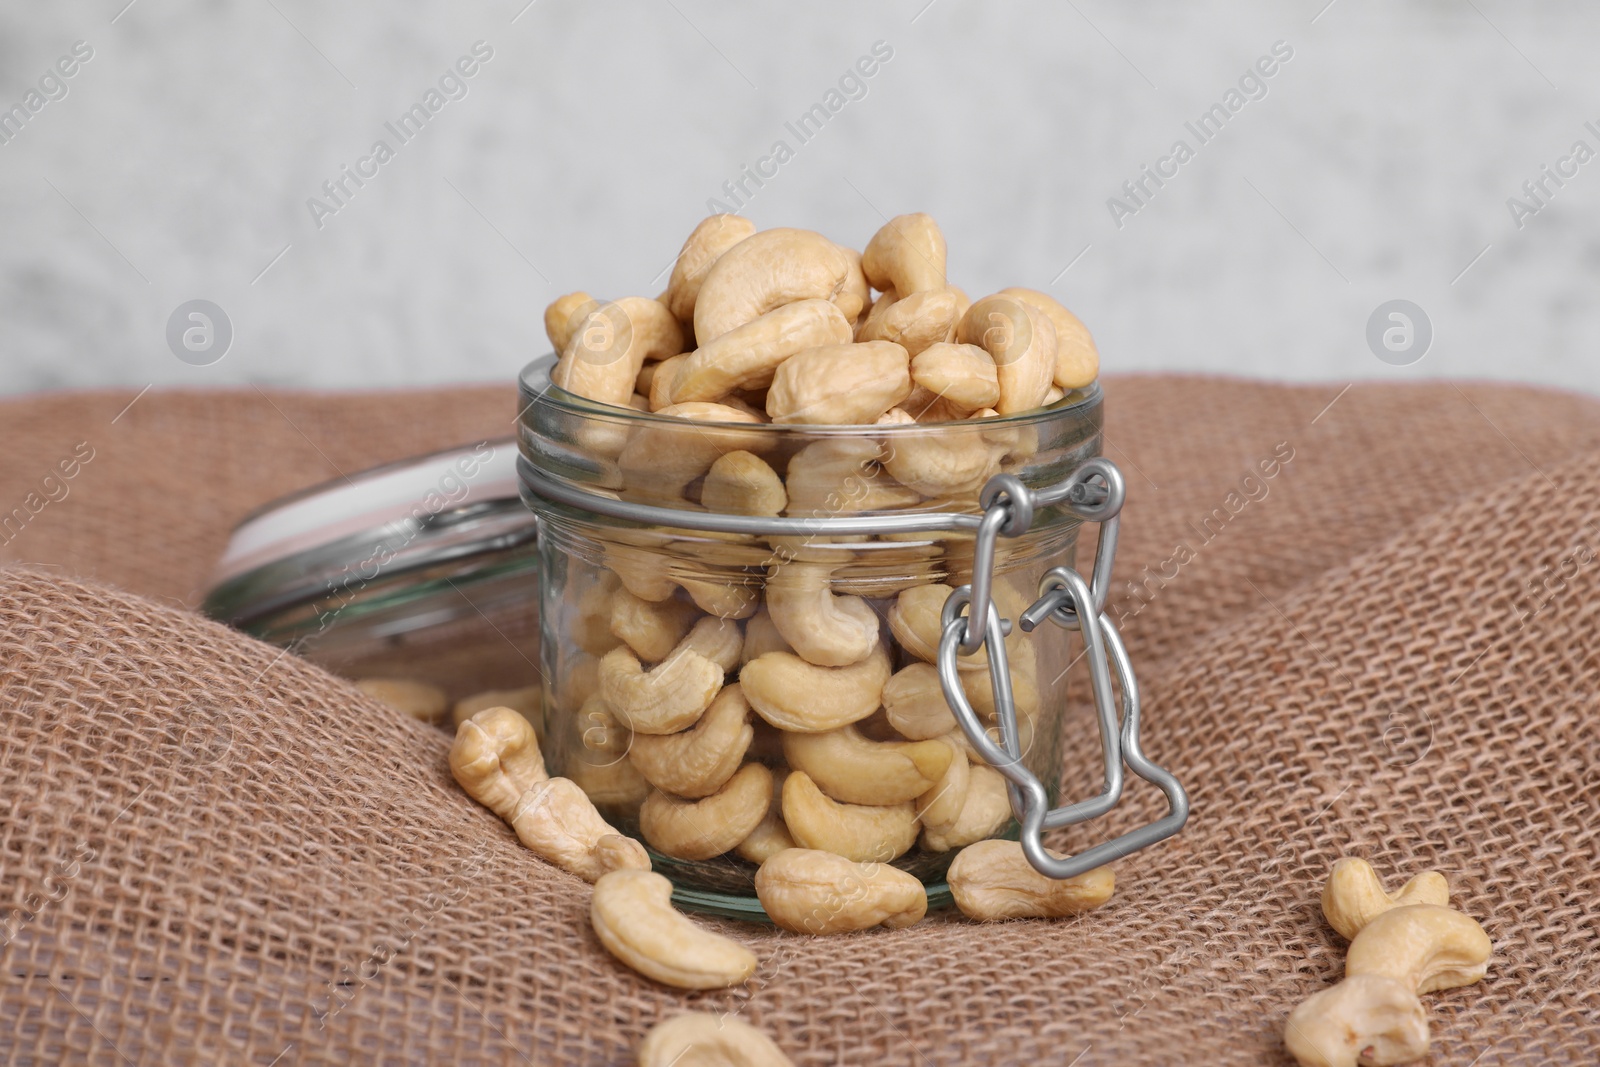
column 367, row 537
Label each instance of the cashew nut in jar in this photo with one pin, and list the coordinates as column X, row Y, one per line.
column 747, row 357
column 1022, row 343
column 558, row 821
column 849, row 767
column 652, row 628
column 810, row 891
column 954, row 463
column 915, row 322
column 836, row 385
column 772, row 268
column 712, row 825
column 633, row 917
column 700, row 1039
column 907, row 255
column 496, row 758
column 837, row 476
column 661, row 458
column 915, row 704
column 742, row 483
column 701, row 250
column 668, row 698
column 860, row 832
column 994, row 880
column 984, row 811
column 825, row 629
column 939, row 808
column 771, row 835
column 699, row 761
column 1077, row 360
column 608, row 346
column 792, row 694
column 963, row 377
column 562, row 317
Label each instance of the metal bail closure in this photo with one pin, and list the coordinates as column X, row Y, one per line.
column 1095, row 493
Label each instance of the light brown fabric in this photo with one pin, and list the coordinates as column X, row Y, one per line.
column 211, row 852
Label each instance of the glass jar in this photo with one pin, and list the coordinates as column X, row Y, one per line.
column 419, row 576
column 807, row 566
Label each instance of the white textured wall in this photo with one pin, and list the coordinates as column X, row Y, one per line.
column 1377, row 166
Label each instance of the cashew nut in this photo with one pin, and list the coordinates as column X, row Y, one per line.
column 1362, row 1021
column 860, row 832
column 772, row 268
column 836, row 476
column 1077, row 360
column 963, row 376
column 609, row 345
column 718, row 640
column 557, row 820
column 670, row 697
column 1426, row 946
column 915, row 703
column 979, row 686
column 712, row 825
column 660, row 460
column 747, row 357
column 940, row 807
column 916, row 622
column 994, row 880
column 1354, row 896
column 420, row 700
column 699, row 761
column 741, row 483
column 651, row 628
column 700, row 1039
column 828, row 630
column 561, row 318
column 848, row 767
column 906, row 255
column 761, row 637
column 496, row 758
column 1023, row 344
column 633, row 916
column 703, row 247
column 529, row 701
column 639, row 572
column 812, row 891
column 840, row 384
column 613, row 783
column 987, row 807
column 792, row 694
column 771, row 836
column 725, row 600
column 956, row 462
column 659, row 395
column 915, row 322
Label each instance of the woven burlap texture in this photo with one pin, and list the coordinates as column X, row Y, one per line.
column 214, row 852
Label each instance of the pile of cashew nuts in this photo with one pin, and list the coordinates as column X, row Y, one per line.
column 1401, row 944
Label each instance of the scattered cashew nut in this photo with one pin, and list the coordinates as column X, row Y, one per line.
column 496, row 758
column 700, row 1039
column 1354, row 896
column 633, row 916
column 558, row 821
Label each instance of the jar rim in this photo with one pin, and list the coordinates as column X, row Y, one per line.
column 537, row 388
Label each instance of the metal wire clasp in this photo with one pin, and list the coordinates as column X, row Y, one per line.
column 1094, row 492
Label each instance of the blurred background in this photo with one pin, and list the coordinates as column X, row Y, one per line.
column 1357, row 152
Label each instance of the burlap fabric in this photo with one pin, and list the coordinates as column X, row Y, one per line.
column 212, row 852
